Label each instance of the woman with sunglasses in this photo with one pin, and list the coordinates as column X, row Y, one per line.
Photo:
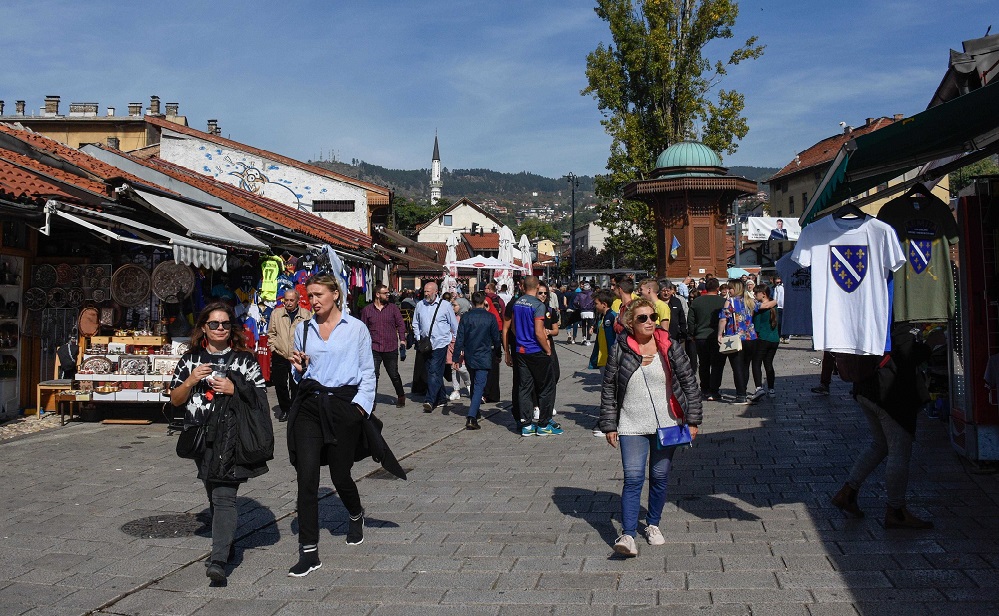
column 736, row 317
column 219, row 368
column 335, row 396
column 648, row 384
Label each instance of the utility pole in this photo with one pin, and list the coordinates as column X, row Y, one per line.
column 573, row 183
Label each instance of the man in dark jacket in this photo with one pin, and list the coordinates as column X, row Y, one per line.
column 703, row 326
column 477, row 343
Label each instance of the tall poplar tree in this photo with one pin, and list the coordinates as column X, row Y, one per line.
column 655, row 86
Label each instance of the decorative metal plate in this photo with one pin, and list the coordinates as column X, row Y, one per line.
column 75, row 297
column 64, row 274
column 35, row 298
column 88, row 271
column 45, row 276
column 58, row 298
column 98, row 295
column 133, row 366
column 172, row 281
column 130, row 285
column 97, row 365
column 104, row 282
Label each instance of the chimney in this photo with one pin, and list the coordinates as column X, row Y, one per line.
column 1, row 108
column 154, row 105
column 898, row 117
column 77, row 110
column 870, row 121
column 172, row 109
column 51, row 106
column 135, row 109
column 110, row 112
column 213, row 127
column 19, row 108
column 114, row 142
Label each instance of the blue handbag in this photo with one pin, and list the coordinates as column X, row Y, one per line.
column 673, row 435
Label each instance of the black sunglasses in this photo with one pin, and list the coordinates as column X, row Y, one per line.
column 226, row 325
column 642, row 318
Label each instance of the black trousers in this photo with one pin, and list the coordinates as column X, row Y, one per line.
column 391, row 361
column 534, row 376
column 690, row 346
column 311, row 450
column 284, row 386
column 225, row 516
column 492, row 393
column 740, row 366
column 764, row 357
column 710, row 365
column 419, row 385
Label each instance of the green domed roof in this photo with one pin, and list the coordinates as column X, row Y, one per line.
column 688, row 154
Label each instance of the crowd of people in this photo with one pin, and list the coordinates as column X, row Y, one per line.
column 662, row 348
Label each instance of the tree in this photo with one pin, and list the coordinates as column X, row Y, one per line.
column 654, row 86
column 408, row 213
column 533, row 228
column 963, row 176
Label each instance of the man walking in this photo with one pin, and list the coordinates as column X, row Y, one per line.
column 281, row 340
column 477, row 343
column 533, row 361
column 703, row 326
column 436, row 324
column 388, row 334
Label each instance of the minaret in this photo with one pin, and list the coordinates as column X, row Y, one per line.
column 435, row 175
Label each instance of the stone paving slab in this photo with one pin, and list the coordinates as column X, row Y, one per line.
column 492, row 523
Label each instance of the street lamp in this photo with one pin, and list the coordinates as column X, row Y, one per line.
column 573, row 183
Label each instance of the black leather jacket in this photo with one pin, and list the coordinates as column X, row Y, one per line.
column 623, row 362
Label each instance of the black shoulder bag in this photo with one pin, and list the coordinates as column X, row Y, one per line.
column 193, row 441
column 424, row 345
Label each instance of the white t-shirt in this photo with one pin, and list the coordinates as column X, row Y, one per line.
column 779, row 294
column 851, row 260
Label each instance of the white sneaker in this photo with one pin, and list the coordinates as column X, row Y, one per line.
column 587, row 343
column 759, row 393
column 455, row 395
column 597, row 432
column 625, row 545
column 654, row 535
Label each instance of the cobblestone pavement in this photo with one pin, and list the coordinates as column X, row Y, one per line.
column 107, row 520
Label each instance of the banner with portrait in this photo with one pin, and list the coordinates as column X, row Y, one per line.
column 762, row 228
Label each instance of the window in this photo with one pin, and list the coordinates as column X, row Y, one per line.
column 447, row 220
column 804, row 201
column 333, row 205
column 790, row 204
column 818, row 176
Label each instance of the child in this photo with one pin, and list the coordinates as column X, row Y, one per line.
column 604, row 327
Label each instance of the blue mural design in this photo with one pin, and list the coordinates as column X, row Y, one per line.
column 253, row 180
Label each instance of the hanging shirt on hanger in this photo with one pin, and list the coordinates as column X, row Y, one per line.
column 924, row 287
column 851, row 259
column 270, row 267
column 796, row 319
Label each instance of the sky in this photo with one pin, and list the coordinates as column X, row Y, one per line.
column 498, row 82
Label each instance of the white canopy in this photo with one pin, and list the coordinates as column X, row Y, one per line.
column 480, row 262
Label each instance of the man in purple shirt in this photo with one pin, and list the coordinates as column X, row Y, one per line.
column 533, row 357
column 388, row 335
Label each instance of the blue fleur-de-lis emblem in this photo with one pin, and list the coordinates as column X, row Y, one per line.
column 848, row 265
column 920, row 252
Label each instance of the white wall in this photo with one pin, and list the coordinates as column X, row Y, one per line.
column 283, row 183
column 462, row 218
column 592, row 235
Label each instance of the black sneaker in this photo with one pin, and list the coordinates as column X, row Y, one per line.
column 472, row 424
column 822, row 390
column 355, row 530
column 428, row 408
column 307, row 563
column 216, row 571
column 283, row 417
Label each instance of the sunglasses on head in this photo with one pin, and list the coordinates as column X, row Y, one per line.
column 642, row 318
column 226, row 325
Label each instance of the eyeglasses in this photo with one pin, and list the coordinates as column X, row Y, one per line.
column 226, row 325
column 642, row 318
column 542, row 292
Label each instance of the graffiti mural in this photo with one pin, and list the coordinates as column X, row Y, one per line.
column 253, row 180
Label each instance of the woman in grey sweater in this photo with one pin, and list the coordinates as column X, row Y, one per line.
column 648, row 384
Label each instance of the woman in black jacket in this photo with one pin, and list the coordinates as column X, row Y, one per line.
column 648, row 384
column 217, row 381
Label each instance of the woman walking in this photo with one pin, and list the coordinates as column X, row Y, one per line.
column 336, row 394
column 211, row 381
column 765, row 322
column 648, row 384
column 737, row 318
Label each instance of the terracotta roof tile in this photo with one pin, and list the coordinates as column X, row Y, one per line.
column 88, row 163
column 279, row 213
column 193, row 132
column 827, row 149
column 486, row 241
column 23, row 177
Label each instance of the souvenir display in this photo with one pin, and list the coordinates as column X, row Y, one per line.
column 35, row 298
column 45, row 276
column 130, row 285
column 172, row 281
column 97, row 365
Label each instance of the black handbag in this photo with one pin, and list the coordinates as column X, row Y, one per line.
column 191, row 443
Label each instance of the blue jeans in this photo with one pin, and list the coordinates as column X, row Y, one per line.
column 636, row 450
column 436, row 394
column 478, row 389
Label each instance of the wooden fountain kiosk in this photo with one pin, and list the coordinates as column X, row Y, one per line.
column 690, row 195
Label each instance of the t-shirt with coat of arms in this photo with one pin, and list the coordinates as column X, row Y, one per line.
column 924, row 287
column 851, row 260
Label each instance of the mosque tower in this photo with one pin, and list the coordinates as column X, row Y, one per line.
column 435, row 175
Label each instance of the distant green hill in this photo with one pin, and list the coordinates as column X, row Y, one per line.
column 478, row 184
